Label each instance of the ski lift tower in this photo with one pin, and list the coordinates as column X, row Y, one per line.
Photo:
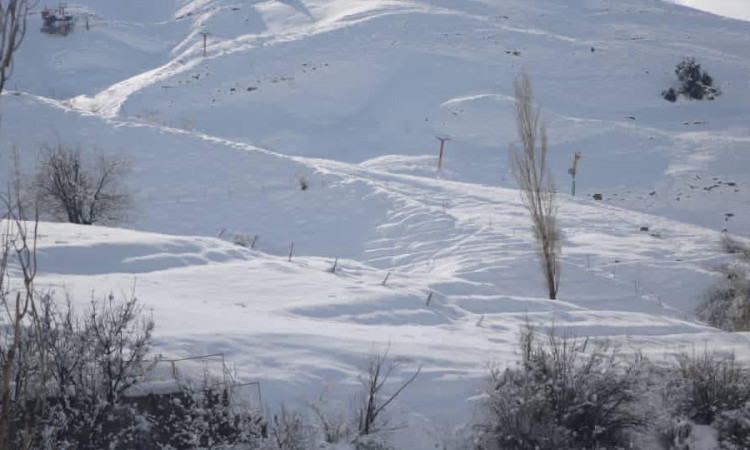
column 573, row 170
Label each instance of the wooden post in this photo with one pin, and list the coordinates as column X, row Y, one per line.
column 335, row 263
column 442, row 140
column 204, row 43
column 291, row 251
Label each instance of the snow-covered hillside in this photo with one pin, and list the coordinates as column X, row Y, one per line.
column 350, row 95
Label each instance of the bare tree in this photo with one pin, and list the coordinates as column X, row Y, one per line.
column 529, row 165
column 12, row 31
column 73, row 191
column 373, row 401
column 22, row 355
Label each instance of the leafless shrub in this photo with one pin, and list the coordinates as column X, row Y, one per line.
column 23, row 366
column 529, row 165
column 734, row 246
column 94, row 358
column 288, row 430
column 71, row 190
column 120, row 336
column 22, row 192
column 703, row 385
column 373, row 401
column 334, row 429
column 565, row 394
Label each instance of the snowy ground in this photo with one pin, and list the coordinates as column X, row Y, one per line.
column 350, row 95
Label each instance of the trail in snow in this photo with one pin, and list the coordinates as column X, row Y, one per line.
column 342, row 14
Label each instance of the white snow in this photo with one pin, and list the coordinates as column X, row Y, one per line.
column 351, row 94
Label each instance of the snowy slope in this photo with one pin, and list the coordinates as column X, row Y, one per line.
column 350, row 94
column 356, row 80
column 302, row 330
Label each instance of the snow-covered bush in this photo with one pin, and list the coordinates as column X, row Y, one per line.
column 734, row 428
column 98, row 359
column 701, row 386
column 333, row 428
column 193, row 417
column 93, row 359
column 695, row 83
column 727, row 304
column 676, row 434
column 707, row 403
column 564, row 394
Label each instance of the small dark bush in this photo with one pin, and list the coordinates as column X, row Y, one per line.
column 670, row 95
column 563, row 395
column 695, row 83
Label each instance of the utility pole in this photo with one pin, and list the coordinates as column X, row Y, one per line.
column 442, row 140
column 205, row 34
column 573, row 170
